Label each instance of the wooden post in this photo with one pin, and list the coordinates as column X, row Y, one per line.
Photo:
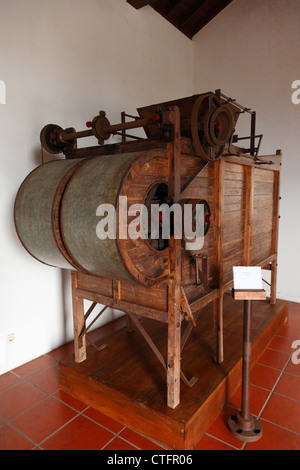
column 174, row 324
column 218, row 259
column 78, row 322
column 174, row 287
column 275, row 230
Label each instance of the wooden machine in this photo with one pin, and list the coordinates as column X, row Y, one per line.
column 190, row 154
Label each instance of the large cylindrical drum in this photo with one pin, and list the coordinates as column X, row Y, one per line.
column 60, row 204
column 37, row 208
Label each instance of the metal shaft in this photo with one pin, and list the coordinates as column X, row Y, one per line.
column 66, row 136
column 246, row 359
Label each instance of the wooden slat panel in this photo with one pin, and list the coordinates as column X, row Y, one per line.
column 96, row 284
column 151, row 297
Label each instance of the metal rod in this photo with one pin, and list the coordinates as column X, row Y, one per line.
column 66, row 136
column 123, row 120
column 253, row 124
column 128, row 125
column 248, row 137
column 128, row 135
column 246, row 360
column 230, row 100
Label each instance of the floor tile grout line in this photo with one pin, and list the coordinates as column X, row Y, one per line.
column 280, row 351
column 109, row 442
column 37, row 372
column 91, row 419
column 280, row 426
column 220, row 440
column 123, row 439
column 81, row 413
column 274, row 368
column 57, row 430
column 275, row 385
column 286, row 396
column 291, row 373
column 29, row 408
column 78, row 413
column 57, row 399
column 116, row 435
column 22, row 433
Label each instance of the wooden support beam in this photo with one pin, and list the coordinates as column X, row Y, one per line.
column 186, row 307
column 137, row 4
column 275, row 229
column 174, row 324
column 191, row 178
column 201, row 16
column 218, row 258
column 78, row 322
column 174, row 287
column 149, row 340
column 86, row 328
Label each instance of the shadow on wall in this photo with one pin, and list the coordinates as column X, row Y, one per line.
column 65, row 299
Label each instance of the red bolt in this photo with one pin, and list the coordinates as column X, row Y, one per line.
column 89, row 124
column 156, row 117
column 209, row 218
column 52, row 136
column 218, row 126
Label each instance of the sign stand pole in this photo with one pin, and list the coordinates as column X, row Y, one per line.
column 243, row 425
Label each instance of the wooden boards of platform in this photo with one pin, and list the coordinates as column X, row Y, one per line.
column 126, row 381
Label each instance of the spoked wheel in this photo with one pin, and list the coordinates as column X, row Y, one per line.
column 211, row 126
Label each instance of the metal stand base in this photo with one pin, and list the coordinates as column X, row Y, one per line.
column 243, row 425
column 248, row 430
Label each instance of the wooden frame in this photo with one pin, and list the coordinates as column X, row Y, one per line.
column 173, row 302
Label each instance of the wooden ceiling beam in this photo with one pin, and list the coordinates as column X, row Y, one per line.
column 174, row 6
column 198, row 18
column 188, row 16
column 137, row 4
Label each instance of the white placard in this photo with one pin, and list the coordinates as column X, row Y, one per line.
column 247, row 278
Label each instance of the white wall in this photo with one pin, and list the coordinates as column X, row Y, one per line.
column 62, row 61
column 252, row 52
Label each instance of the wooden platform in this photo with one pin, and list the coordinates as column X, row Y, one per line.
column 126, row 381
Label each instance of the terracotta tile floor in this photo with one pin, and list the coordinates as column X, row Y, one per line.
column 35, row 414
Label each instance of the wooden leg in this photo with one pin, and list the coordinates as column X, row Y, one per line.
column 174, row 326
column 78, row 323
column 174, row 362
column 129, row 323
column 219, row 173
column 218, row 329
column 273, row 281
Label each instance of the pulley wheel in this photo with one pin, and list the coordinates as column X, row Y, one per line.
column 50, row 138
column 211, row 126
column 220, row 126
